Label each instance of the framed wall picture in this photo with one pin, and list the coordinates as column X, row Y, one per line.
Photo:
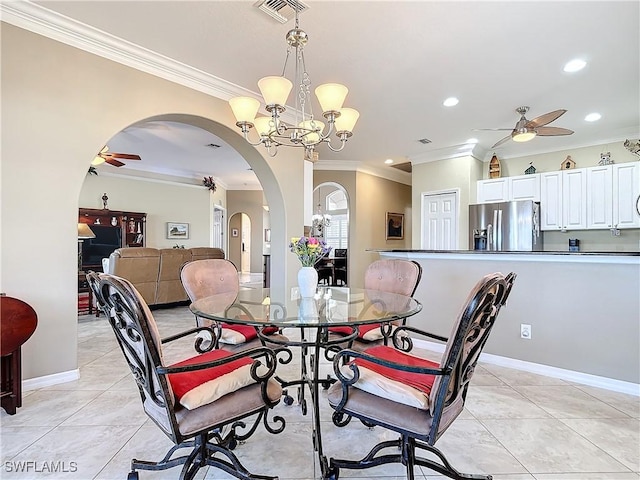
column 176, row 230
column 395, row 226
column 234, row 232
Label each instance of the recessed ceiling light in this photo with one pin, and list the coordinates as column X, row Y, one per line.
column 593, row 117
column 574, row 65
column 472, row 140
column 388, row 161
column 450, row 102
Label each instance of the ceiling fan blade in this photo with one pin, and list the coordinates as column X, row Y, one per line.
column 505, row 139
column 552, row 131
column 491, row 129
column 544, row 119
column 111, row 161
column 124, row 156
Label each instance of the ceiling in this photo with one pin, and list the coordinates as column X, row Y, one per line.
column 400, row 60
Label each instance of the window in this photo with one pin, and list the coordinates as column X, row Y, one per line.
column 337, row 233
column 336, row 200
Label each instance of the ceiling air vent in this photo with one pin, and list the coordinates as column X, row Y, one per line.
column 212, row 145
column 281, row 10
column 424, row 141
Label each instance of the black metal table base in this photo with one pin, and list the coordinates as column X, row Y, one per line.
column 309, row 378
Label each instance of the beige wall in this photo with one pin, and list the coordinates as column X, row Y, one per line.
column 457, row 174
column 60, row 105
column 550, row 162
column 162, row 202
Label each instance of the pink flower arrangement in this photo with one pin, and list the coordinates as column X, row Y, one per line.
column 309, row 250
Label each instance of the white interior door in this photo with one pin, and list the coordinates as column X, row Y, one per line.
column 440, row 221
column 217, row 228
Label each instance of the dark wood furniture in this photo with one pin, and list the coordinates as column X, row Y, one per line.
column 19, row 321
column 131, row 226
column 113, row 229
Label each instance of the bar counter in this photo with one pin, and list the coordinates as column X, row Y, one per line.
column 583, row 308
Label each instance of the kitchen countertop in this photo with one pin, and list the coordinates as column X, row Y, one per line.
column 493, row 252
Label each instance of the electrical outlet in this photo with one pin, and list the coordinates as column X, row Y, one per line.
column 525, row 331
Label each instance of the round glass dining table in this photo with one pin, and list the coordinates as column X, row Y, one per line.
column 313, row 317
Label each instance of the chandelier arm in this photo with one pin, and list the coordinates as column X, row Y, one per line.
column 343, row 142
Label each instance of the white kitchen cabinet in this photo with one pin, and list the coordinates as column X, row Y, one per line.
column 493, row 190
column 626, row 190
column 522, row 187
column 600, row 197
column 612, row 192
column 525, row 187
column 563, row 203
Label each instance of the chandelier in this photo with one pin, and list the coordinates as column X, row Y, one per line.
column 306, row 131
column 319, row 220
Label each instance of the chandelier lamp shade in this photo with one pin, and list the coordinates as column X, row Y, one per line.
column 306, row 131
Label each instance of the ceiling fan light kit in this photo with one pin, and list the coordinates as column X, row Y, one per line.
column 526, row 130
column 305, row 131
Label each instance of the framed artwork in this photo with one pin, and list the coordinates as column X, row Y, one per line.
column 234, row 232
column 177, row 230
column 395, row 226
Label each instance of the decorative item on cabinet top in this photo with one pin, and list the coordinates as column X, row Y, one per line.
column 494, row 167
column 633, row 146
column 605, row 159
column 568, row 163
column 531, row 170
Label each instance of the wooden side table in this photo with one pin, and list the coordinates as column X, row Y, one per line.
column 19, row 321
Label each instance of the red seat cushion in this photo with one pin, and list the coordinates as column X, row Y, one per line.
column 247, row 331
column 419, row 381
column 181, row 383
column 362, row 329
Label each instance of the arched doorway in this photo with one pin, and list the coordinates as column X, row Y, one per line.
column 240, row 242
column 332, row 203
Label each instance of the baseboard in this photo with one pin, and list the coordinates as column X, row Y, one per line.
column 49, row 380
column 546, row 370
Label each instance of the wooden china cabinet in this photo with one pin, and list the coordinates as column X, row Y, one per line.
column 113, row 229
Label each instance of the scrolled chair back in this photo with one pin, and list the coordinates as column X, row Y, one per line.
column 468, row 337
column 140, row 343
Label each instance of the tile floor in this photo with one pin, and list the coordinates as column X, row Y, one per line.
column 517, row 426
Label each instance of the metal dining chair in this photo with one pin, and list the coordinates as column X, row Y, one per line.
column 202, row 402
column 414, row 397
column 203, row 278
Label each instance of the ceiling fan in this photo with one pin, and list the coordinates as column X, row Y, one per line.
column 111, row 158
column 526, row 130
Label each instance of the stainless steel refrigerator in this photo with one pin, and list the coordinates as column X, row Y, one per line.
column 505, row 226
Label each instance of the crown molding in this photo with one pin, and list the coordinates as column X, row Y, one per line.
column 446, row 153
column 388, row 173
column 40, row 20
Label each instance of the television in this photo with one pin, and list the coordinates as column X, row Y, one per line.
column 107, row 239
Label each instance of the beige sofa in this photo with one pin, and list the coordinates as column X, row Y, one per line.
column 156, row 272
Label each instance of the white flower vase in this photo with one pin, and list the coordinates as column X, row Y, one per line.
column 307, row 281
column 308, row 310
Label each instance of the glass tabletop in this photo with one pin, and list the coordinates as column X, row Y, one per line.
column 330, row 306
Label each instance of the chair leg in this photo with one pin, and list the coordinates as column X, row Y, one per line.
column 203, row 453
column 445, row 468
column 407, row 457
